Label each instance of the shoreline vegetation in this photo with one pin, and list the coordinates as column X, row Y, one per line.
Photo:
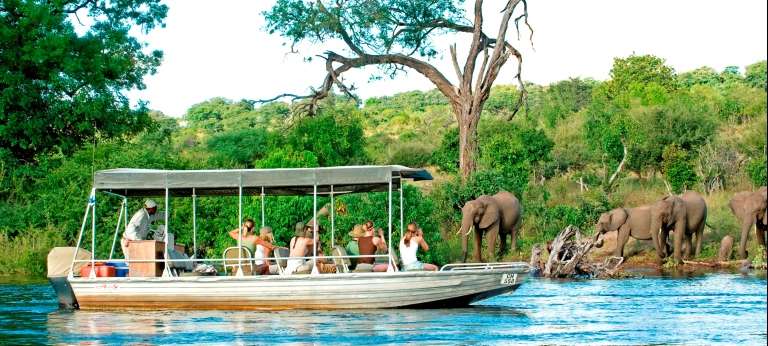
column 703, row 130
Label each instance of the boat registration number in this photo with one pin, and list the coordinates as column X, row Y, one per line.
column 508, row 279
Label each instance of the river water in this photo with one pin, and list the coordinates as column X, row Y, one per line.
column 710, row 309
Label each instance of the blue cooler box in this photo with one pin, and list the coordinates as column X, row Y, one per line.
column 121, row 268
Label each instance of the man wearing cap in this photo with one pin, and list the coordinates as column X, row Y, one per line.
column 138, row 227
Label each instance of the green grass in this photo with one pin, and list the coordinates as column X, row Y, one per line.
column 24, row 256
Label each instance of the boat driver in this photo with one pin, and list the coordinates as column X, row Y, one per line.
column 138, row 227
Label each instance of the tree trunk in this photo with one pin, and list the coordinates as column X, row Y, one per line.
column 468, row 142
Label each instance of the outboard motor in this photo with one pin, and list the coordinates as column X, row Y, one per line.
column 59, row 262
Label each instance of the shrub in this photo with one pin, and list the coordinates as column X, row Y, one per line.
column 446, row 157
column 678, row 169
column 411, row 154
column 25, row 255
column 756, row 170
column 239, row 148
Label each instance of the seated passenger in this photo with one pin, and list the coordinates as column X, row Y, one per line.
column 299, row 246
column 409, row 245
column 264, row 247
column 249, row 237
column 352, row 247
column 370, row 245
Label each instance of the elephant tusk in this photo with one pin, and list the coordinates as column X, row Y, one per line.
column 470, row 230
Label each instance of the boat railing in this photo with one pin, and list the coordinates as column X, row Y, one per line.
column 485, row 266
column 244, row 261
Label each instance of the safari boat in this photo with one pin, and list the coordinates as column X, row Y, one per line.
column 454, row 285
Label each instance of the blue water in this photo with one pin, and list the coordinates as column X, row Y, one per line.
column 711, row 309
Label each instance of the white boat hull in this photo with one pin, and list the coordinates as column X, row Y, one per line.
column 325, row 291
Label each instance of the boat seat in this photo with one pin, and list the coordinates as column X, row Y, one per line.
column 395, row 260
column 281, row 254
column 230, row 257
column 342, row 264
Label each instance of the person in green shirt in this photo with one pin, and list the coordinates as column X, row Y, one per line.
column 352, row 247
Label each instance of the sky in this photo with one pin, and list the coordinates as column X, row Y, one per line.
column 220, row 49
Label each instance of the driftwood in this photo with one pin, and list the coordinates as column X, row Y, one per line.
column 568, row 257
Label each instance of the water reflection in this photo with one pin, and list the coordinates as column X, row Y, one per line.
column 712, row 309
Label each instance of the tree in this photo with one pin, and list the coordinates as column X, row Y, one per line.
column 61, row 88
column 636, row 71
column 755, row 75
column 396, row 35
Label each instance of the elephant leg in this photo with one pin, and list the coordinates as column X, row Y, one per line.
column 502, row 245
column 493, row 233
column 513, row 239
column 688, row 239
column 656, row 240
column 678, row 246
column 745, row 227
column 663, row 247
column 621, row 240
column 699, row 236
column 478, row 245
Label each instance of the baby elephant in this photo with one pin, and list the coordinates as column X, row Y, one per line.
column 634, row 222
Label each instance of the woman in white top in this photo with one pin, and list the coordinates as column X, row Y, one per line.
column 264, row 247
column 409, row 245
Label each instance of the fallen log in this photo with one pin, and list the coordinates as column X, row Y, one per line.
column 568, row 256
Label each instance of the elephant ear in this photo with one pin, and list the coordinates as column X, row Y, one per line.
column 490, row 215
column 618, row 218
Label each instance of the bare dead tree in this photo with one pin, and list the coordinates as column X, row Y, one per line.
column 466, row 98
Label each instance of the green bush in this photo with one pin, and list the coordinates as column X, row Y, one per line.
column 239, row 148
column 756, row 169
column 446, row 157
column 411, row 154
column 24, row 256
column 678, row 169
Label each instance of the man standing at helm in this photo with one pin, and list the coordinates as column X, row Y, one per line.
column 138, row 227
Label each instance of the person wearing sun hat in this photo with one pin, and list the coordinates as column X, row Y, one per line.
column 138, row 227
column 353, row 248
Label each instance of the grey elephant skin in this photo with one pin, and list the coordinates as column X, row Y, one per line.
column 750, row 208
column 492, row 216
column 685, row 215
column 628, row 222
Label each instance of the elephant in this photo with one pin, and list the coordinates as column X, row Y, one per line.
column 634, row 222
column 686, row 215
column 496, row 215
column 750, row 208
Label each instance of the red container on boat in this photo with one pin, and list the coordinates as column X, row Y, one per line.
column 102, row 270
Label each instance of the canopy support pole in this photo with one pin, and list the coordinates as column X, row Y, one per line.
column 263, row 219
column 80, row 236
column 333, row 221
column 391, row 267
column 194, row 223
column 401, row 209
column 167, row 270
column 240, row 227
column 314, row 228
column 117, row 229
column 93, row 235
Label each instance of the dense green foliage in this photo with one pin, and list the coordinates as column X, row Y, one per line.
column 61, row 88
column 702, row 130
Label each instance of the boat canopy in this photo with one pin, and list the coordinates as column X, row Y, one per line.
column 280, row 181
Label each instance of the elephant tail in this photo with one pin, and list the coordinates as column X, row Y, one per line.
column 708, row 225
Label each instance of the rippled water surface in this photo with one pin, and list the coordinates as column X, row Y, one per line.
column 711, row 309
